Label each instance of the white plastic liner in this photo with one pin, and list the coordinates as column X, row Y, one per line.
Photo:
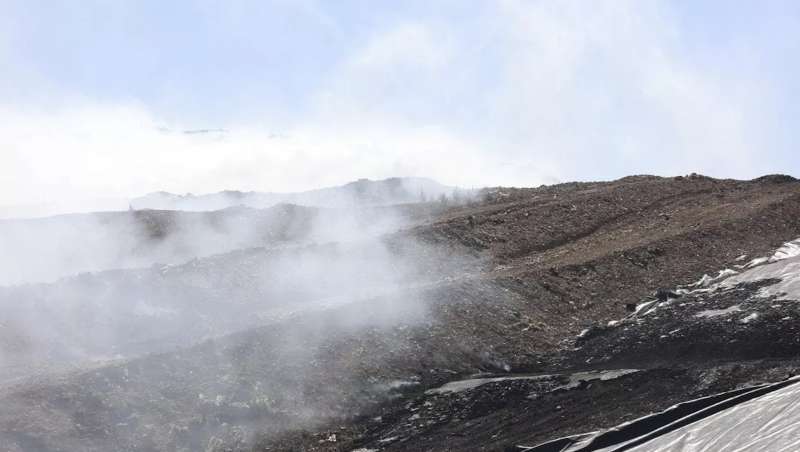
column 787, row 270
column 574, row 380
column 768, row 423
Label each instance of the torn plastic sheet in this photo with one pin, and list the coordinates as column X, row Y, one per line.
column 768, row 423
column 574, row 380
column 764, row 417
column 787, row 271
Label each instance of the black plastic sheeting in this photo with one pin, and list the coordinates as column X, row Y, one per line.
column 643, row 430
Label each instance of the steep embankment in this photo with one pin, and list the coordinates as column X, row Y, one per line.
column 585, row 272
column 536, row 266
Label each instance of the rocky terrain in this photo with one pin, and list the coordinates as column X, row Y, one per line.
column 522, row 317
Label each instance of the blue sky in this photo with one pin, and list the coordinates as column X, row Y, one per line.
column 94, row 94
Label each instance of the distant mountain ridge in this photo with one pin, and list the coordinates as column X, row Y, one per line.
column 360, row 193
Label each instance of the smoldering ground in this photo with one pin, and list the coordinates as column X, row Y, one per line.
column 219, row 348
column 45, row 249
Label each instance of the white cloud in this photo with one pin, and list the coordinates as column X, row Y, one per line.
column 535, row 91
column 608, row 86
column 101, row 151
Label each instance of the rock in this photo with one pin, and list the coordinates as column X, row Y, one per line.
column 664, row 295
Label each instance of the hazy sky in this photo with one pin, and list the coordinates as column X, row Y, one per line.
column 95, row 95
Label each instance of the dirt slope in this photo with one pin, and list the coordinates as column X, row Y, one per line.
column 542, row 264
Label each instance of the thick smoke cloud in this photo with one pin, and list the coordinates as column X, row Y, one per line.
column 248, row 331
column 151, row 281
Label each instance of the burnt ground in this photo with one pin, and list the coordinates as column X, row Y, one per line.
column 546, row 264
column 582, row 275
column 688, row 347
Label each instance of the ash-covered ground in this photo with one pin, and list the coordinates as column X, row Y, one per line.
column 507, row 320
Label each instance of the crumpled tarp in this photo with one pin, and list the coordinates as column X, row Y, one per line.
column 764, row 417
column 768, row 423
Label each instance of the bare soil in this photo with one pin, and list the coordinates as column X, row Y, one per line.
column 535, row 267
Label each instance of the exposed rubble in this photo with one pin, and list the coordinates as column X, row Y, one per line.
column 571, row 309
